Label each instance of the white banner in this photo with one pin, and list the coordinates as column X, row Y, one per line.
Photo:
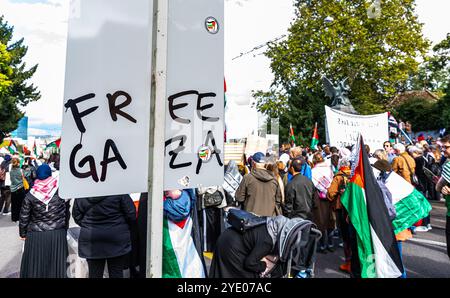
column 194, row 154
column 105, row 135
column 343, row 129
column 256, row 144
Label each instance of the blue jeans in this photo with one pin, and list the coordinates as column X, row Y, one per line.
column 399, row 244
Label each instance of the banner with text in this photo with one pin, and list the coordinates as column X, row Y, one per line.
column 343, row 129
column 194, row 153
column 104, row 148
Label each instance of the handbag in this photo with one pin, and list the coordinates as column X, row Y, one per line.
column 212, row 199
column 242, row 220
column 26, row 185
column 414, row 179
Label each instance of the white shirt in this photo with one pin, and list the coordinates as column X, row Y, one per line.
column 284, row 158
column 8, row 176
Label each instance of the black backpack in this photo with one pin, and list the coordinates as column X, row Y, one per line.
column 241, row 220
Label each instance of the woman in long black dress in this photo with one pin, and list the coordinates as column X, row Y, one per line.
column 44, row 219
column 240, row 255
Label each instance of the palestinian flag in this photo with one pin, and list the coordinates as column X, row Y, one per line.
column 35, row 149
column 181, row 259
column 292, row 135
column 55, row 144
column 12, row 147
column 410, row 205
column 315, row 138
column 377, row 247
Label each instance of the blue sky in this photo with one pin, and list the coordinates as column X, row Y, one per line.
column 43, row 24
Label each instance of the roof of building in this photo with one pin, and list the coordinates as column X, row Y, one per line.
column 407, row 95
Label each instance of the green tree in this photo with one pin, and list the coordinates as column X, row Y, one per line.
column 423, row 114
column 341, row 39
column 15, row 91
column 444, row 107
column 434, row 72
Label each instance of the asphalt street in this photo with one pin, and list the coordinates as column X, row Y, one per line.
column 425, row 256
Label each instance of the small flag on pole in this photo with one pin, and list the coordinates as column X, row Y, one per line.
column 292, row 135
column 12, row 147
column 35, row 149
column 55, row 144
column 315, row 138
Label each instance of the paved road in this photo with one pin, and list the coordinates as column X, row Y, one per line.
column 10, row 247
column 424, row 257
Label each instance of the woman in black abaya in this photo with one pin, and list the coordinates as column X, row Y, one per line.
column 241, row 255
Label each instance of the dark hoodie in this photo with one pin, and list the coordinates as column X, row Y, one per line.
column 105, row 226
column 260, row 193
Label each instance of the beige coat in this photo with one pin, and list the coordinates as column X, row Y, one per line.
column 400, row 166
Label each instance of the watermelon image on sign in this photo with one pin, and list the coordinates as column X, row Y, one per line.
column 204, row 153
column 212, row 25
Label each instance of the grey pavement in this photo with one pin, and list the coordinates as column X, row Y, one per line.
column 10, row 247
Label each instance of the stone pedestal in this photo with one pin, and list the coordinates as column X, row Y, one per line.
column 345, row 109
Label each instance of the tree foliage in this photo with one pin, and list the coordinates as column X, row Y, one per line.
column 423, row 114
column 444, row 107
column 434, row 73
column 15, row 91
column 340, row 39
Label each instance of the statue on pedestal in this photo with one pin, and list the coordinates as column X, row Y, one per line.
column 339, row 95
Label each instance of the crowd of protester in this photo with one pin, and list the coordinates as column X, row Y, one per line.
column 297, row 183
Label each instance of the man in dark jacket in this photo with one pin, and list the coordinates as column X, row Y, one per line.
column 259, row 191
column 105, row 235
column 299, row 199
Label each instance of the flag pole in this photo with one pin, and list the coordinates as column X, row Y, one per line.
column 154, row 251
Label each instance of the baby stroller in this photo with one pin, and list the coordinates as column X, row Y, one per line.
column 296, row 247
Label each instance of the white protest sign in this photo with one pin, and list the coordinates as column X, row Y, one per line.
column 107, row 99
column 256, row 144
column 194, row 154
column 343, row 129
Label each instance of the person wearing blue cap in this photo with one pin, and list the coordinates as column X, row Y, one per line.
column 43, row 224
column 259, row 191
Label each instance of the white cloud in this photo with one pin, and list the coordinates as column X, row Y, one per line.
column 44, row 27
column 434, row 15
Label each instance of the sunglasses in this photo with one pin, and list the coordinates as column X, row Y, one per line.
column 387, row 145
column 445, row 147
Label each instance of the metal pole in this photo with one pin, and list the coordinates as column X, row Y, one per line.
column 156, row 142
column 407, row 137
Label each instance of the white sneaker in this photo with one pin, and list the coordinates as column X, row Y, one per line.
column 421, row 229
column 429, row 227
column 9, row 213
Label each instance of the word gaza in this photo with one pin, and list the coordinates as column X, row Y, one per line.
column 110, row 145
column 180, row 140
